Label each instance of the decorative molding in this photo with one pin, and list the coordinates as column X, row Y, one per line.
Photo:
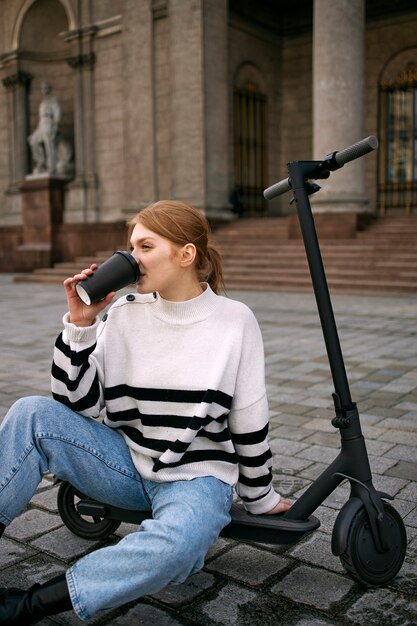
column 82, row 60
column 406, row 78
column 103, row 28
column 25, row 8
column 18, row 78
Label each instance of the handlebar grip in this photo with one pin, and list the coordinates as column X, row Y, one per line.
column 277, row 189
column 357, row 150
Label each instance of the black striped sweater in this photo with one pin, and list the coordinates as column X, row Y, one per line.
column 184, row 384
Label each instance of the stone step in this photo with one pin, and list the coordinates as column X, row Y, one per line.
column 257, row 254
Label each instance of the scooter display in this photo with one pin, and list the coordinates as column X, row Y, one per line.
column 369, row 534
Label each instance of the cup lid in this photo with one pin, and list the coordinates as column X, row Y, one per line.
column 133, row 263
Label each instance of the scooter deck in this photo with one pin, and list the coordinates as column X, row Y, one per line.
column 272, row 529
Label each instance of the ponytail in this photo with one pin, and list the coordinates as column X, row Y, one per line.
column 215, row 277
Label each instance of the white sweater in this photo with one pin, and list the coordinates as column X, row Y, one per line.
column 182, row 381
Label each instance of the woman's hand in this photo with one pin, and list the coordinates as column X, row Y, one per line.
column 82, row 314
column 281, row 507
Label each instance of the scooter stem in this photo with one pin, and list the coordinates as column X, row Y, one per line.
column 299, row 172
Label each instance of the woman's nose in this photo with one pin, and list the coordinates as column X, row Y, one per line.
column 135, row 255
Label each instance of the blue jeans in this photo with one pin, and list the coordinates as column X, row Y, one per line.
column 39, row 435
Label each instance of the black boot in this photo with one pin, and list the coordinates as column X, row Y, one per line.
column 22, row 608
column 2, row 528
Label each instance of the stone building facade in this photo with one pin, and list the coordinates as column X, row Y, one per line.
column 202, row 100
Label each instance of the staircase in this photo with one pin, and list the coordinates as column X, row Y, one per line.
column 258, row 255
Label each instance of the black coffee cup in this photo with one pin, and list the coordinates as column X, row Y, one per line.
column 115, row 273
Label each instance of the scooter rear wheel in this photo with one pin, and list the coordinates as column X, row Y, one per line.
column 361, row 559
column 81, row 525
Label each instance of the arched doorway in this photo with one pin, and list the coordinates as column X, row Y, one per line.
column 397, row 175
column 249, row 141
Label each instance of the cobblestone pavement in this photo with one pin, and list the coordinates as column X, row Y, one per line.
column 243, row 584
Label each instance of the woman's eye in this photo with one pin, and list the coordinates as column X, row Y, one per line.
column 145, row 246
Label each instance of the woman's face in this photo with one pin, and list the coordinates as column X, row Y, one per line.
column 159, row 262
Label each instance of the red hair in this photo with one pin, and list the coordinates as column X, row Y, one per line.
column 181, row 223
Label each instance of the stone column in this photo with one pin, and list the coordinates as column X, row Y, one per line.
column 82, row 203
column 187, row 101
column 18, row 85
column 138, row 111
column 338, row 97
column 216, row 108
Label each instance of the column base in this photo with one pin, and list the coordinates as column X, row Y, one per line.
column 42, row 210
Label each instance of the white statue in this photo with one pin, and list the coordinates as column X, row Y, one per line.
column 51, row 154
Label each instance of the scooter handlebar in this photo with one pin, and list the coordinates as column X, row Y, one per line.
column 355, row 151
column 276, row 190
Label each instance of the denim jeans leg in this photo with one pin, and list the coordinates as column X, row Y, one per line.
column 187, row 519
column 39, row 434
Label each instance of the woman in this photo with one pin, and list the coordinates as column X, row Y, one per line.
column 180, row 372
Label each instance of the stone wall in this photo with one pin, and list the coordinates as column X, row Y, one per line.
column 157, row 106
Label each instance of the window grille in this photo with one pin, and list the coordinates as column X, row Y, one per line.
column 249, row 150
column 397, row 176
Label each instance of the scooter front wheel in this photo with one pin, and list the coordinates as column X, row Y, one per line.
column 362, row 560
column 81, row 525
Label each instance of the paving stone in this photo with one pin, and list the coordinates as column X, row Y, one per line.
column 287, row 485
column 146, row 614
column 401, row 423
column 400, row 436
column 46, row 500
column 289, row 419
column 12, row 552
column 37, row 569
column 317, row 588
column 248, row 564
column 321, row 454
column 409, row 492
column 323, row 425
column 388, row 484
column 329, row 439
column 404, row 507
column 381, row 464
column 383, row 607
column 411, row 518
column 175, row 595
column 289, row 464
column 220, row 546
column 327, row 517
column 316, row 550
column 285, row 447
column 310, row 620
column 402, row 453
column 288, row 432
column 406, row 580
column 313, row 470
column 64, row 545
column 378, row 448
column 407, row 406
column 225, row 608
column 33, row 523
column 403, row 469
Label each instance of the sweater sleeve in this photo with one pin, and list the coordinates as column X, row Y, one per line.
column 77, row 377
column 248, row 423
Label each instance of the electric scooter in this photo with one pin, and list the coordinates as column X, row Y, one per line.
column 369, row 534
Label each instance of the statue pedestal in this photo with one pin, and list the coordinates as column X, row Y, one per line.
column 42, row 211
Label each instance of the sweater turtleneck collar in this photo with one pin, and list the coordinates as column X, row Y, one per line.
column 187, row 312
